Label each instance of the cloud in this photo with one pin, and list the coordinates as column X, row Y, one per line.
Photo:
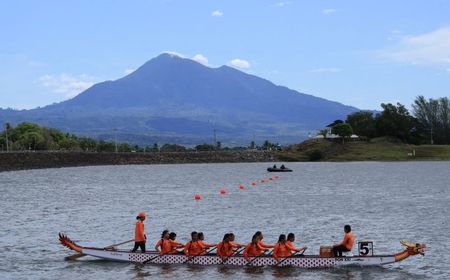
column 67, row 85
column 128, row 71
column 325, row 70
column 217, row 13
column 282, row 4
column 200, row 59
column 328, row 11
column 241, row 63
column 427, row 48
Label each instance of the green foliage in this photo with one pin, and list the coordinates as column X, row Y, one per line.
column 395, row 121
column 342, row 129
column 363, row 124
column 434, row 117
column 173, row 148
column 315, row 155
column 323, row 132
column 204, row 147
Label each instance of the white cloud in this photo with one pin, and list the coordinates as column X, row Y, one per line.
column 172, row 53
column 282, row 4
column 67, row 85
column 241, row 63
column 427, row 48
column 128, row 71
column 325, row 70
column 328, row 11
column 217, row 13
column 200, row 59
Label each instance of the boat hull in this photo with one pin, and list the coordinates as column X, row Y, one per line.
column 271, row 169
column 295, row 261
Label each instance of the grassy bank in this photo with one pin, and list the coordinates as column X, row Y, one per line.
column 376, row 149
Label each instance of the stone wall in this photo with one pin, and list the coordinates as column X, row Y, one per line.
column 33, row 160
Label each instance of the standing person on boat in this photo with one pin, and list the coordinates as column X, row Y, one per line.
column 139, row 235
column 193, row 247
column 347, row 244
column 290, row 246
column 204, row 245
column 227, row 246
column 174, row 244
column 163, row 245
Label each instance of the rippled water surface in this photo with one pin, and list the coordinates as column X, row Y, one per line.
column 96, row 206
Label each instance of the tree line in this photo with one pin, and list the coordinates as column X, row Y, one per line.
column 27, row 136
column 429, row 122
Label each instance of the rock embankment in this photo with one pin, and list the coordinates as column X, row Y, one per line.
column 35, row 160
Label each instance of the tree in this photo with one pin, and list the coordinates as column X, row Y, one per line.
column 362, row 123
column 434, row 117
column 173, row 148
column 204, row 147
column 335, row 123
column 342, row 129
column 395, row 121
column 323, row 132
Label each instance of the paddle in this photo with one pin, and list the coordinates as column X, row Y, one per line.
column 79, row 255
column 235, row 253
column 296, row 253
column 262, row 255
column 193, row 257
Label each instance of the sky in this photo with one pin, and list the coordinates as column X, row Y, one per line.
column 360, row 53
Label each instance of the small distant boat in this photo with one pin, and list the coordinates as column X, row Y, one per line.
column 271, row 169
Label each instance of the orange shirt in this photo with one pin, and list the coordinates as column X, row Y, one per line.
column 291, row 246
column 264, row 245
column 139, row 234
column 225, row 249
column 193, row 248
column 281, row 251
column 165, row 246
column 349, row 240
column 205, row 245
column 253, row 250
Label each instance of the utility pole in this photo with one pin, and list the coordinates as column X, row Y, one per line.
column 6, row 134
column 431, row 135
column 115, row 139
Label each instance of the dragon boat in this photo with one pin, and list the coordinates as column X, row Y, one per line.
column 304, row 261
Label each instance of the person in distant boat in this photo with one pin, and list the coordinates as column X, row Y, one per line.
column 139, row 235
column 227, row 246
column 274, row 166
column 204, row 245
column 290, row 246
column 174, row 244
column 163, row 245
column 347, row 244
column 193, row 247
column 253, row 249
column 282, row 166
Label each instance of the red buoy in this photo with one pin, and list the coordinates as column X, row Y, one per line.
column 253, row 183
column 270, row 178
column 241, row 187
column 263, row 180
column 197, row 196
column 276, row 177
column 223, row 191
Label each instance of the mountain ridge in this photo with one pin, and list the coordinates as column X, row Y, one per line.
column 169, row 96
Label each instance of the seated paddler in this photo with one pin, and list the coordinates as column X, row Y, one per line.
column 193, row 247
column 347, row 244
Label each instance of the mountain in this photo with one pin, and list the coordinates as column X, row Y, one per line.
column 173, row 99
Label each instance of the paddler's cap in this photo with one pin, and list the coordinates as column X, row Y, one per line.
column 142, row 215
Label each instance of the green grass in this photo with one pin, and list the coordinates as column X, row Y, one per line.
column 377, row 149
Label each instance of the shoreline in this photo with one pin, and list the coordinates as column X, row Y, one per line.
column 14, row 161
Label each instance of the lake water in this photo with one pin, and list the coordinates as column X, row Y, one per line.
column 96, row 206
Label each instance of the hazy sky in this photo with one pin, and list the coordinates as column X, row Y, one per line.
column 360, row 53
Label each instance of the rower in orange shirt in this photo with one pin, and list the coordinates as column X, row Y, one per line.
column 226, row 247
column 253, row 249
column 174, row 244
column 280, row 249
column 163, row 245
column 262, row 244
column 139, row 235
column 347, row 244
column 290, row 246
column 193, row 247
column 202, row 243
